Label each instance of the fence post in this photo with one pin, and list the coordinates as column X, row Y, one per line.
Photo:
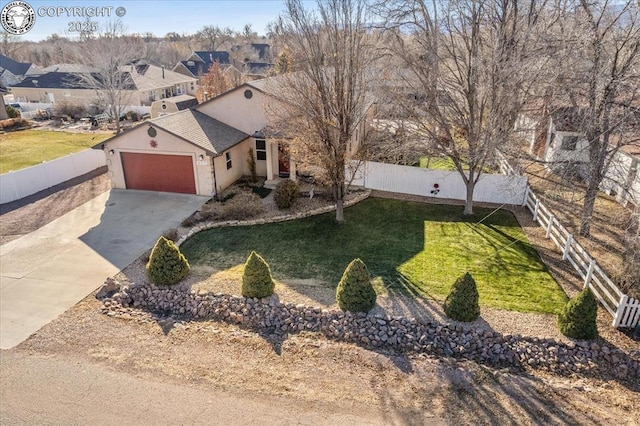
column 620, row 310
column 565, row 252
column 551, row 219
column 587, row 279
column 535, row 210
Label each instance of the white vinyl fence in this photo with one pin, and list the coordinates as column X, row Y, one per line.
column 624, row 310
column 498, row 189
column 25, row 182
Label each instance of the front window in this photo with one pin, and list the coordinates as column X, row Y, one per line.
column 228, row 157
column 261, row 149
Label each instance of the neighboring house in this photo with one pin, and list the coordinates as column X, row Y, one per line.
column 559, row 142
column 148, row 83
column 13, row 72
column 256, row 70
column 202, row 150
column 171, row 105
column 199, row 63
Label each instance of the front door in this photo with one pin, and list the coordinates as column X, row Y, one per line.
column 283, row 162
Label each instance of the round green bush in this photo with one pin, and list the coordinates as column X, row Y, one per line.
column 256, row 279
column 462, row 302
column 578, row 317
column 355, row 292
column 285, row 194
column 167, row 265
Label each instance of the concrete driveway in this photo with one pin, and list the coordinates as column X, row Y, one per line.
column 44, row 273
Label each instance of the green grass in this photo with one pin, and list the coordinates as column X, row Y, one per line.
column 26, row 148
column 437, row 163
column 412, row 247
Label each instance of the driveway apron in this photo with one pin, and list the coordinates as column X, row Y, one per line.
column 46, row 272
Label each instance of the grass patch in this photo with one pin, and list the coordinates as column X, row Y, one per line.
column 411, row 247
column 27, row 148
column 437, row 163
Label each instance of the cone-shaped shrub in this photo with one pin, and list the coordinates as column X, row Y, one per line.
column 166, row 264
column 256, row 279
column 578, row 317
column 462, row 302
column 355, row 292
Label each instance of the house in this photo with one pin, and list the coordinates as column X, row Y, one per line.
column 146, row 83
column 199, row 63
column 204, row 149
column 557, row 139
column 256, row 70
column 13, row 72
column 172, row 104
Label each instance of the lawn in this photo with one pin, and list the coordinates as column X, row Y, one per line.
column 26, row 148
column 411, row 247
column 437, row 163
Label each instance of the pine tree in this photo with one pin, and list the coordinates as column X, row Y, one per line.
column 256, row 279
column 355, row 293
column 462, row 302
column 167, row 265
column 578, row 317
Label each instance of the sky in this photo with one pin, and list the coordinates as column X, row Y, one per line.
column 158, row 16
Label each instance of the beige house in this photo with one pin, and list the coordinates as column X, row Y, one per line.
column 170, row 105
column 201, row 150
column 64, row 82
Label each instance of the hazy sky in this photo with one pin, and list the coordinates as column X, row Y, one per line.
column 158, row 16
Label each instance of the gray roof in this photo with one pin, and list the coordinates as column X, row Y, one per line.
column 180, row 101
column 201, row 130
column 14, row 67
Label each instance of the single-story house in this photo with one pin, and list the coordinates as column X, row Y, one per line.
column 146, row 83
column 13, row 72
column 171, row 105
column 201, row 150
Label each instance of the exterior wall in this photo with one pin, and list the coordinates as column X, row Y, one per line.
column 622, row 179
column 555, row 153
column 137, row 140
column 29, row 94
column 157, row 111
column 237, row 111
column 240, row 167
column 8, row 79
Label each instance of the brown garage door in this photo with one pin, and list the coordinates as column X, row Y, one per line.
column 156, row 172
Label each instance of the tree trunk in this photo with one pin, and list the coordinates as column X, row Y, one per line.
column 468, row 204
column 340, row 211
column 587, row 208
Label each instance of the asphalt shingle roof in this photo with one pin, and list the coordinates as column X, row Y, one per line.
column 201, row 130
column 15, row 67
column 64, row 80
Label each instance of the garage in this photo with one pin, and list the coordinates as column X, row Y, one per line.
column 159, row 172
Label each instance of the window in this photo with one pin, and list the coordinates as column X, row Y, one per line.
column 228, row 157
column 569, row 143
column 248, row 94
column 261, row 149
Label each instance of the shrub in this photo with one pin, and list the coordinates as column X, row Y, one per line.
column 166, row 264
column 12, row 112
column 578, row 317
column 188, row 222
column 355, row 292
column 71, row 109
column 256, row 279
column 13, row 123
column 462, row 302
column 286, row 194
column 252, row 166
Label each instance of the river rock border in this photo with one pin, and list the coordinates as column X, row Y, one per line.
column 397, row 334
column 283, row 218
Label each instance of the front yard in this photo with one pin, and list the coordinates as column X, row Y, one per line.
column 409, row 247
column 27, row 148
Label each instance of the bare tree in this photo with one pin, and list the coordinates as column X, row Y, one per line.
column 214, row 37
column 472, row 68
column 9, row 44
column 324, row 100
column 600, row 78
column 108, row 58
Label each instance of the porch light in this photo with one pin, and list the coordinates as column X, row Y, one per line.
column 201, row 157
column 111, row 152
